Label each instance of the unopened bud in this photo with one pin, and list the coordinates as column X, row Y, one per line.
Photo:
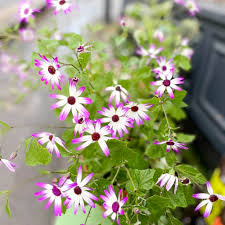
column 13, row 156
column 136, row 210
column 54, row 180
column 75, row 80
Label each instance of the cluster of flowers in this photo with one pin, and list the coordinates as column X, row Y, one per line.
column 76, row 193
column 190, row 5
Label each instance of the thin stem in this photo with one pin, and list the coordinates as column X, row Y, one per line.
column 132, row 182
column 87, row 216
column 167, row 120
column 79, row 61
column 115, row 175
column 69, row 64
column 127, row 218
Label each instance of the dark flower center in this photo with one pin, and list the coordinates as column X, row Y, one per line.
column 115, row 118
column 115, row 207
column 166, row 83
column 75, row 79
column 26, row 11
column 134, row 108
column 213, row 198
column 80, row 48
column 50, row 137
column 185, row 181
column 118, row 88
column 164, row 68
column 62, row 2
column 77, row 190
column 81, row 120
column 71, row 100
column 56, row 191
column 170, row 143
column 51, row 70
column 95, row 136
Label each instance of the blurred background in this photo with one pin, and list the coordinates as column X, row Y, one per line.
column 205, row 85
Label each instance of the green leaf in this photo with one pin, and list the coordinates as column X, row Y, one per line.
column 178, row 98
column 181, row 137
column 143, row 179
column 84, row 59
column 4, row 128
column 73, row 40
column 182, row 62
column 7, row 209
column 156, row 151
column 36, row 154
column 173, row 220
column 171, row 158
column 190, row 172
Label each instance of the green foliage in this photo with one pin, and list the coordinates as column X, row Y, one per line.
column 190, row 172
column 4, row 128
column 7, row 208
column 36, row 154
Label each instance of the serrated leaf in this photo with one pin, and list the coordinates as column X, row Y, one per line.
column 188, row 138
column 143, row 179
column 190, row 172
column 36, row 154
column 171, row 158
column 182, row 62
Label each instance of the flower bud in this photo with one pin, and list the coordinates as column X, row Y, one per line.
column 54, row 180
column 13, row 156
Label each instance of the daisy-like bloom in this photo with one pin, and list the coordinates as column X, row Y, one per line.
column 118, row 92
column 72, row 103
column 169, row 180
column 25, row 11
column 170, row 144
column 82, row 48
column 78, row 193
column 27, row 34
column 51, row 140
column 55, row 192
column 184, row 42
column 192, row 7
column 10, row 165
column 96, row 134
column 159, row 35
column 117, row 119
column 49, row 71
column 113, row 204
column 60, row 5
column 187, row 52
column 123, row 21
column 152, row 52
column 165, row 67
column 167, row 83
column 208, row 199
column 137, row 112
column 80, row 125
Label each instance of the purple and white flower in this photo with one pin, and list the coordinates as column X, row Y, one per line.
column 159, row 35
column 55, row 193
column 113, row 204
column 27, row 35
column 123, row 21
column 10, row 165
column 191, row 5
column 78, row 193
column 49, row 71
column 169, row 180
column 172, row 145
column 152, row 52
column 51, row 140
column 187, row 52
column 84, row 48
column 137, row 112
column 118, row 92
column 168, row 84
column 60, row 5
column 117, row 119
column 72, row 103
column 80, row 125
column 165, row 67
column 96, row 134
column 208, row 199
column 25, row 11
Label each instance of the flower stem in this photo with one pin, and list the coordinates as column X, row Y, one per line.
column 115, row 175
column 69, row 64
column 85, row 223
column 167, row 120
column 132, row 182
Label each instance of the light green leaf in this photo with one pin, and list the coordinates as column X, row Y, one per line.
column 190, row 172
column 7, row 208
column 182, row 62
column 181, row 137
column 4, row 128
column 36, row 154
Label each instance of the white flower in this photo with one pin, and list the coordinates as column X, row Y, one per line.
column 209, row 199
column 60, row 5
column 80, row 125
column 117, row 119
column 78, row 193
column 152, row 52
column 170, row 180
column 118, row 92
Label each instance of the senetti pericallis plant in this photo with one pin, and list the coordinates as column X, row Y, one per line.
column 122, row 142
